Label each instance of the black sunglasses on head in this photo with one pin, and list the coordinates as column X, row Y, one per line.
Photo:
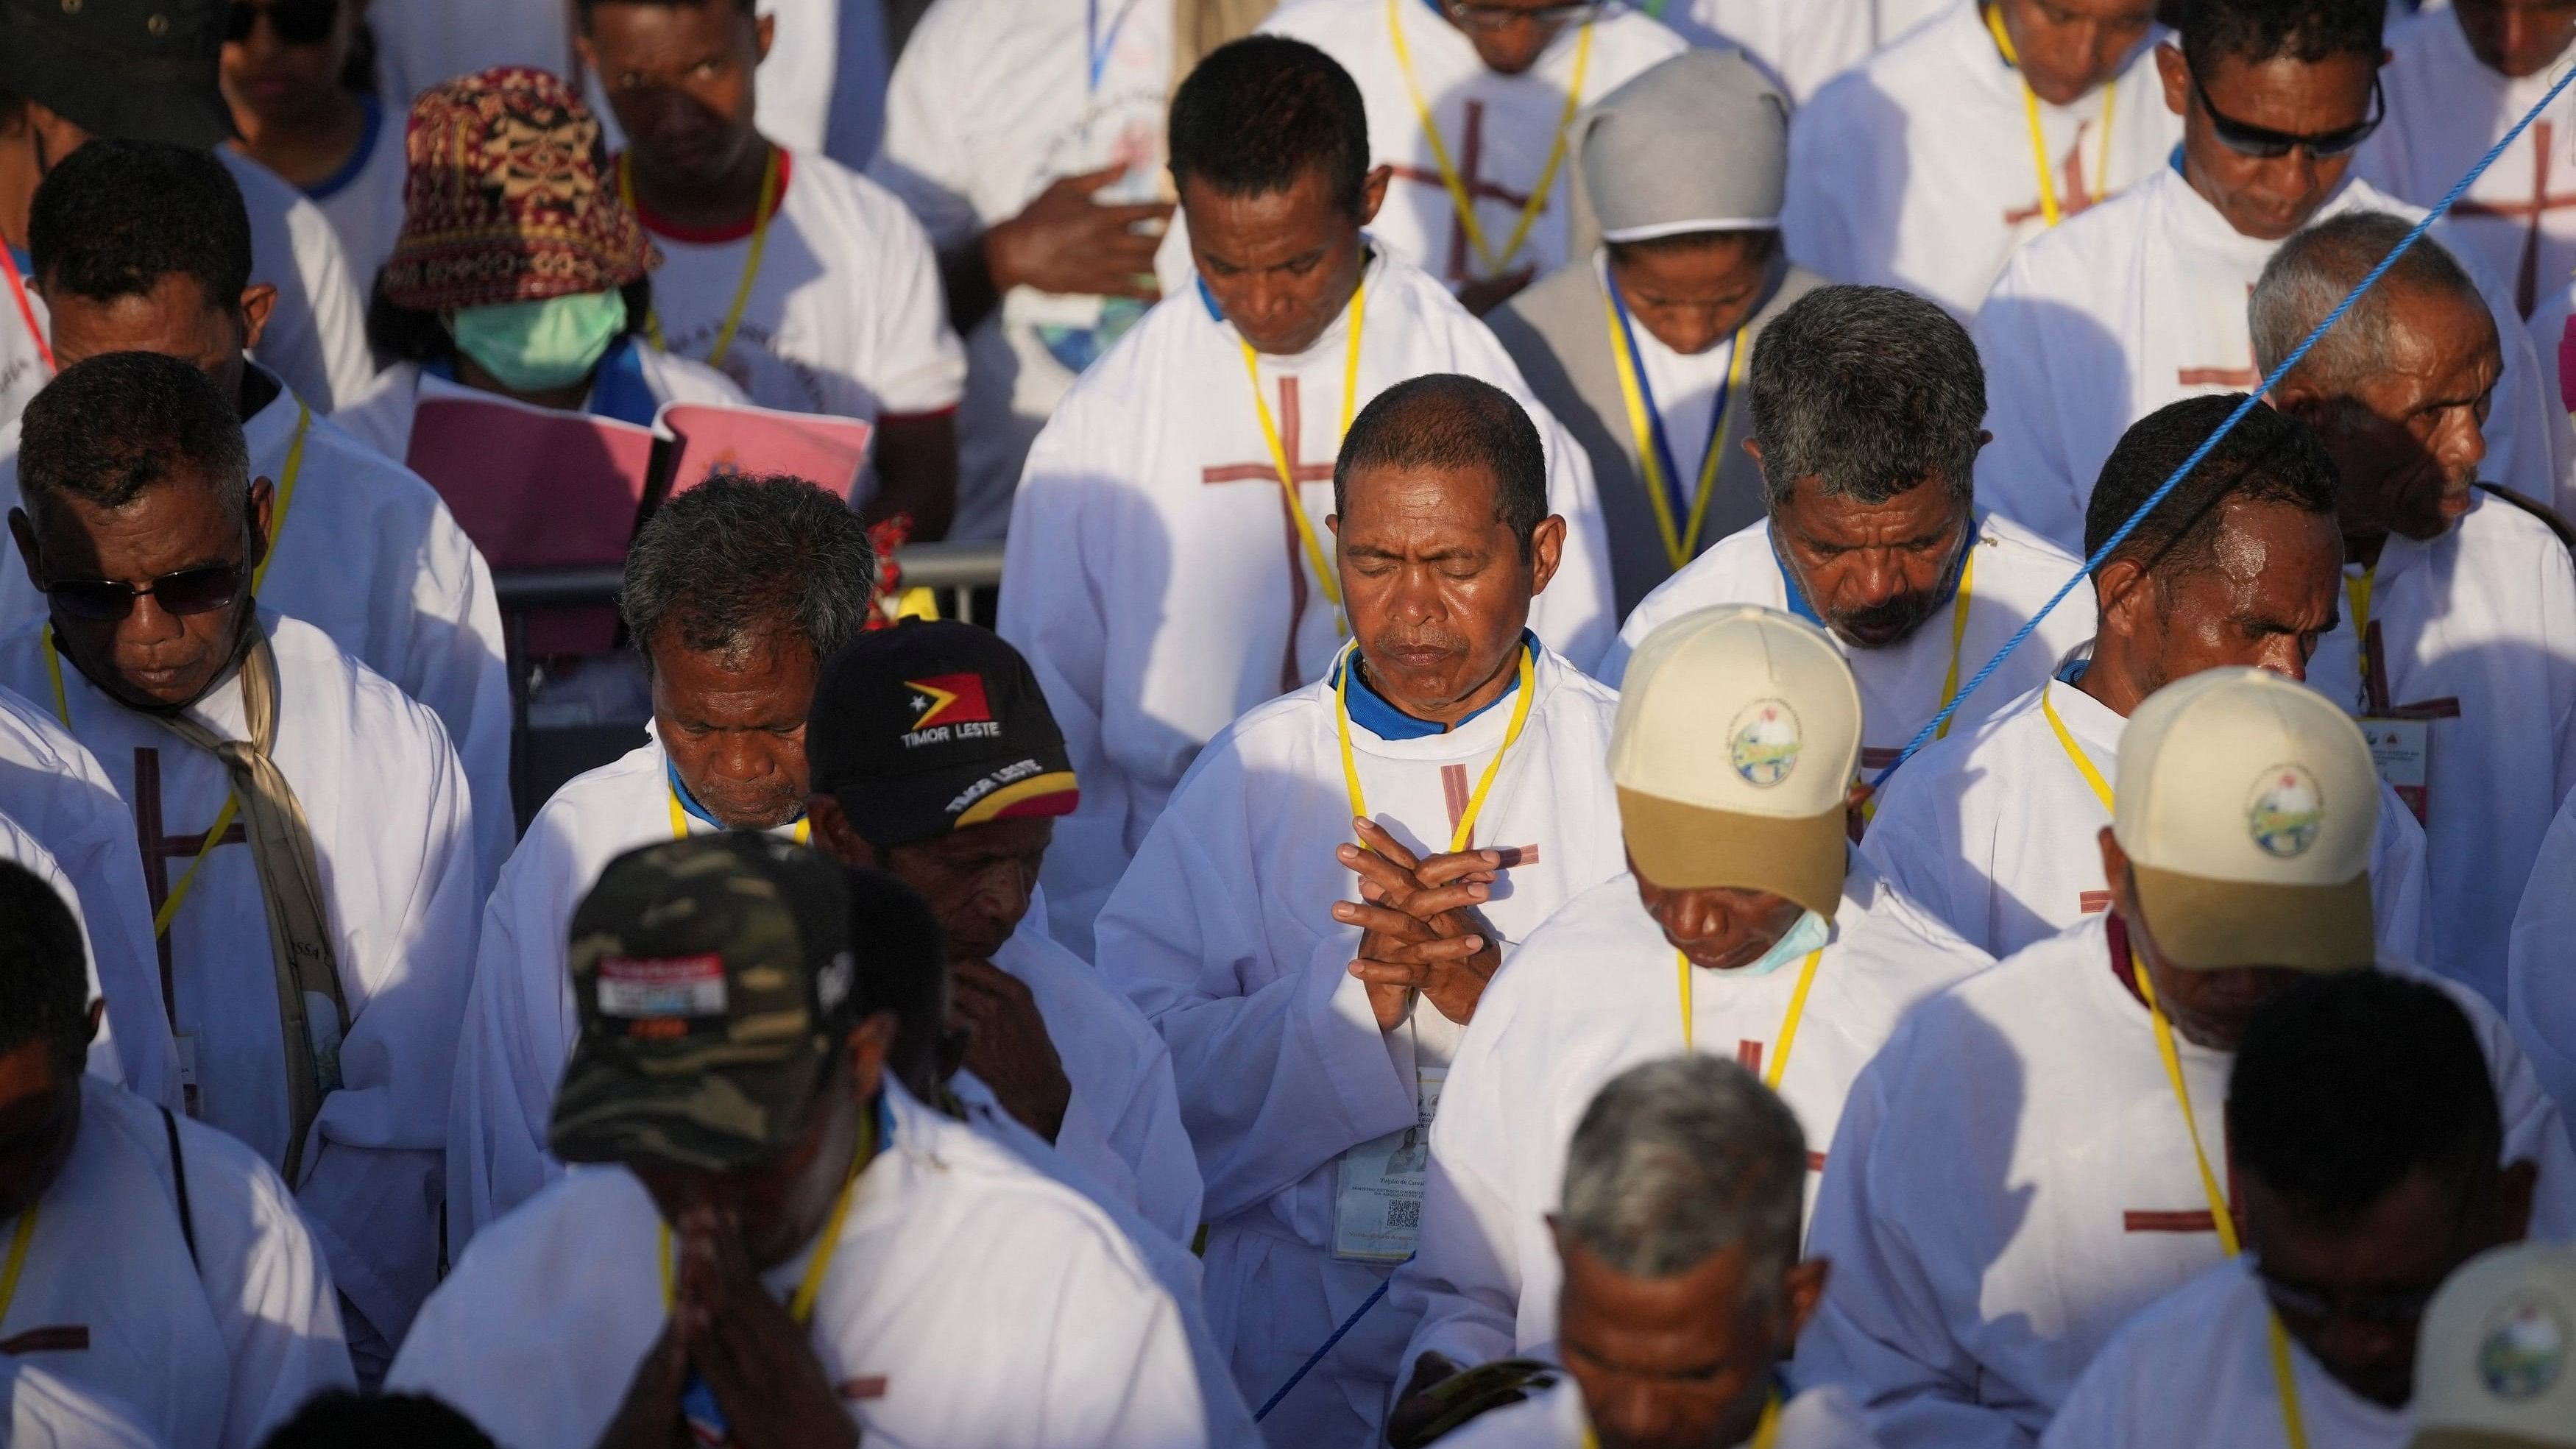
column 298, row 22
column 2264, row 144
column 189, row 591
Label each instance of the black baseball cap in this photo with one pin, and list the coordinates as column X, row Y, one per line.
column 933, row 726
column 129, row 70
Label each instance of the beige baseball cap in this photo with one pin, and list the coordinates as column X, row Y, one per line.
column 1737, row 735
column 2247, row 803
column 2495, row 1367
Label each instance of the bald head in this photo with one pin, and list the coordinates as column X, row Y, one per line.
column 2313, row 272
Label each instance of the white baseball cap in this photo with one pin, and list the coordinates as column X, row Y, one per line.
column 2495, row 1367
column 2247, row 804
column 1737, row 735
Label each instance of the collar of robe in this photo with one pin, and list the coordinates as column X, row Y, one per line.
column 1373, row 712
column 689, row 802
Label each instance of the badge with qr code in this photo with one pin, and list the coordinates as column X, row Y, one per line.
column 1377, row 1204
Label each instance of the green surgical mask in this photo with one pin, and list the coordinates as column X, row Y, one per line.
column 539, row 346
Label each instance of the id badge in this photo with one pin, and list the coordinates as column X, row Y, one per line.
column 1377, row 1202
column 189, row 1099
column 2402, row 749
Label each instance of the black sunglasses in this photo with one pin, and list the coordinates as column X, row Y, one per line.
column 189, row 591
column 2265, row 145
column 298, row 22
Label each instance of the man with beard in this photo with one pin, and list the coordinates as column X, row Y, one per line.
column 1866, row 408
column 736, row 592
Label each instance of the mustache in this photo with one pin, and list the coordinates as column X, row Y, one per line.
column 1901, row 612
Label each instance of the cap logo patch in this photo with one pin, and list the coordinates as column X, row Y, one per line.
column 832, row 984
column 2525, row 1348
column 1764, row 742
column 947, row 707
column 2286, row 811
column 662, row 988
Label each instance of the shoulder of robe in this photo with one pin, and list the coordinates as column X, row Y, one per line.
column 2510, row 525
column 376, row 482
column 230, row 1187
column 2073, row 258
column 375, row 713
column 2009, row 540
column 953, row 1157
column 33, row 731
column 558, row 824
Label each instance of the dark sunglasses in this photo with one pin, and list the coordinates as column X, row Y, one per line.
column 189, row 591
column 2387, row 1310
column 298, row 22
column 2266, row 145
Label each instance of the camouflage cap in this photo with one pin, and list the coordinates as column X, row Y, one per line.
column 715, row 981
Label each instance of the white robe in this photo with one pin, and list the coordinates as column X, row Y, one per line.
column 381, row 416
column 1800, row 43
column 1223, row 933
column 2484, row 614
column 1915, row 169
column 368, row 554
column 1154, row 580
column 1995, row 831
column 1816, row 1419
column 845, row 314
column 973, row 1303
column 991, row 102
column 44, row 1412
column 1498, row 129
column 1590, row 995
column 317, row 336
column 1122, row 1127
column 134, row 997
column 393, row 834
column 2196, row 1368
column 212, row 1354
column 2013, row 1180
column 2141, row 302
column 2540, row 988
column 1901, row 686
column 55, row 790
column 24, row 370
column 2445, row 109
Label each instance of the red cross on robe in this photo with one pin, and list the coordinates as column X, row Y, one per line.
column 158, row 847
column 1471, row 152
column 2526, row 284
column 2072, row 197
column 1291, row 421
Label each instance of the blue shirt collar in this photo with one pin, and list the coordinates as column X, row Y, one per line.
column 1371, row 711
column 338, row 181
column 25, row 262
column 689, row 802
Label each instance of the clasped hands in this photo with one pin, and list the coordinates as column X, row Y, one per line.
column 1421, row 929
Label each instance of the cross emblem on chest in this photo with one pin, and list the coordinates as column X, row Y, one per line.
column 1471, row 155
column 1292, row 422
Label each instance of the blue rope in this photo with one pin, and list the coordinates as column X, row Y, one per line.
column 2253, row 400
column 1317, row 1356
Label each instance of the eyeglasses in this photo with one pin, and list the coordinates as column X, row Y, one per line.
column 189, row 591
column 2265, row 145
column 1474, row 15
column 298, row 22
column 2389, row 1310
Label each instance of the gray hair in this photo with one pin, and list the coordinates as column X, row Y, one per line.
column 2311, row 273
column 738, row 557
column 1681, row 1158
column 1870, row 391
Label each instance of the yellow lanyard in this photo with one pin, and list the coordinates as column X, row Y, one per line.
column 801, row 1307
column 2083, row 763
column 2049, row 210
column 750, row 263
column 2293, row 1422
column 1306, row 535
column 1958, row 632
column 1765, row 1434
column 169, row 911
column 1681, row 543
column 1466, row 830
column 1459, row 200
column 803, row 834
column 18, row 1242
column 285, row 493
column 1788, row 1024
column 2356, row 591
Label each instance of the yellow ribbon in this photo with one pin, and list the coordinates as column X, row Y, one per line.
column 1766, row 1434
column 801, row 1307
column 1466, row 830
column 285, row 494
column 1459, row 200
column 1958, row 632
column 2356, row 591
column 1313, row 542
column 2075, row 752
column 18, row 1242
column 803, row 834
column 2049, row 210
column 1779, row 1067
column 750, row 263
column 1681, row 544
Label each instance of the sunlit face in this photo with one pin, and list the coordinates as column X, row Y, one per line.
column 1874, row 572
column 2517, row 37
column 1281, row 264
column 2068, row 47
column 1509, row 35
column 175, row 318
column 733, row 723
column 2408, row 437
column 2270, row 590
column 1437, row 588
column 679, row 77
column 1694, row 292
column 1683, row 1362
column 2267, row 198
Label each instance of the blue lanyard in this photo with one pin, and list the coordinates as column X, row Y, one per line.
column 1097, row 45
column 1674, row 483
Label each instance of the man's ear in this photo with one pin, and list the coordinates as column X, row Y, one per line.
column 2174, row 75
column 263, row 501
column 1547, row 550
column 23, row 529
column 835, row 836
column 1804, row 1286
column 765, row 31
column 2120, row 588
column 258, row 304
column 870, row 1042
column 98, row 1013
column 1373, row 192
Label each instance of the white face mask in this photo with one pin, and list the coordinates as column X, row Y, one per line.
column 1810, row 934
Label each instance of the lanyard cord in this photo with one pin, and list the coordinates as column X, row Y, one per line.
column 1788, row 1024
column 1654, row 450
column 1096, row 47
column 801, row 1307
column 1459, row 200
column 2356, row 590
column 750, row 263
column 804, row 833
column 18, row 1242
column 2083, row 762
column 1466, row 830
column 26, row 308
column 1312, row 542
column 2049, row 209
column 285, row 492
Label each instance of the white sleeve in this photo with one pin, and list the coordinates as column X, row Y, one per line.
column 2026, row 474
column 2533, row 1129
column 2092, row 1417
column 455, row 662
column 924, row 159
column 40, row 1411
column 917, row 364
column 507, row 1065
column 1138, row 1140
column 2540, row 995
column 1577, row 616
column 266, row 1279
column 106, row 874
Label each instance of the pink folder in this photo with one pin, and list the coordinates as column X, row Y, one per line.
column 707, row 442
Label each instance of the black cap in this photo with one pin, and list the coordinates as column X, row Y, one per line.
column 129, row 70
column 933, row 726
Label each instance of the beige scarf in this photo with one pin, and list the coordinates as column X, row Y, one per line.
column 311, row 1011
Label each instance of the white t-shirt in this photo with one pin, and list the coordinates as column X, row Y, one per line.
column 317, row 336
column 365, row 199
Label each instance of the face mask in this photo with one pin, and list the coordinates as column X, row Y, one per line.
column 1809, row 934
column 540, row 346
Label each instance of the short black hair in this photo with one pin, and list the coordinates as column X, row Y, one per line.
column 343, row 1420
column 738, row 556
column 2259, row 30
column 1449, row 421
column 44, row 973
column 110, row 426
column 2346, row 1084
column 2270, row 457
column 115, row 217
column 1262, row 111
column 584, row 7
